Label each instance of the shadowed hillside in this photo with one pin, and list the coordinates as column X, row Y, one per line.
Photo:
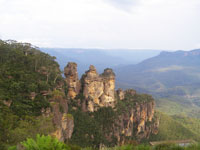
column 171, row 75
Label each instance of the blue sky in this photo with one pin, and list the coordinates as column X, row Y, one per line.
column 133, row 24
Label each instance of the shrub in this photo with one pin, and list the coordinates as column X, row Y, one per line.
column 126, row 147
column 44, row 143
column 143, row 147
column 12, row 148
column 168, row 146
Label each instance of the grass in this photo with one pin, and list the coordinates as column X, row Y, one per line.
column 177, row 106
column 147, row 147
column 172, row 129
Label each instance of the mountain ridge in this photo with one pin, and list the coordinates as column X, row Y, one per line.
column 172, row 75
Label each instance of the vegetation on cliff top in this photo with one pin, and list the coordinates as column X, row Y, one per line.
column 49, row 143
column 91, row 128
column 28, row 79
column 25, row 71
column 26, row 74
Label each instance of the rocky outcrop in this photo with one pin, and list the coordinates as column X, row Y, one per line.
column 140, row 120
column 137, row 121
column 64, row 122
column 98, row 90
column 65, row 128
column 120, row 94
column 93, row 87
column 108, row 97
column 72, row 80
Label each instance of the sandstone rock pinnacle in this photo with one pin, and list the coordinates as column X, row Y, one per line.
column 72, row 80
column 98, row 89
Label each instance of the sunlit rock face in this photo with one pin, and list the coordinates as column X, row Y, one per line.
column 120, row 94
column 63, row 122
column 98, row 89
column 108, row 97
column 72, row 80
column 139, row 121
column 92, row 84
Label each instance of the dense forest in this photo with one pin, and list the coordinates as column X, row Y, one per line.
column 31, row 82
column 25, row 73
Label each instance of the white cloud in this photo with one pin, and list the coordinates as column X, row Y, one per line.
column 153, row 24
column 126, row 5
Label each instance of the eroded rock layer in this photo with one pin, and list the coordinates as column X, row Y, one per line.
column 72, row 80
column 138, row 121
column 98, row 90
column 134, row 112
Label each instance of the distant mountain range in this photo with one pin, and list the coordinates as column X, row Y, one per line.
column 173, row 78
column 100, row 58
column 171, row 75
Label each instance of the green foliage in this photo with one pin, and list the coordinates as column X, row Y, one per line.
column 170, row 129
column 56, row 94
column 29, row 127
column 24, row 71
column 8, row 121
column 87, row 148
column 177, row 106
column 170, row 77
column 193, row 147
column 12, row 148
column 86, row 130
column 70, row 116
column 105, row 117
column 14, row 130
column 74, row 147
column 92, row 128
column 168, row 147
column 193, row 124
column 130, row 101
column 44, row 143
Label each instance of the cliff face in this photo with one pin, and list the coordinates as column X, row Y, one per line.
column 98, row 90
column 72, row 80
column 58, row 111
column 137, row 122
column 64, row 123
column 118, row 116
column 135, row 113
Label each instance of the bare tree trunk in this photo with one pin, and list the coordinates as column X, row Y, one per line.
column 55, row 78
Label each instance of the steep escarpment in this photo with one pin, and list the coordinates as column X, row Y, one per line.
column 135, row 117
column 97, row 89
column 118, row 116
column 32, row 95
column 72, row 80
column 36, row 99
column 91, row 108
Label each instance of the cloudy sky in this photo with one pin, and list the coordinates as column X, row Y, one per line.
column 133, row 24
